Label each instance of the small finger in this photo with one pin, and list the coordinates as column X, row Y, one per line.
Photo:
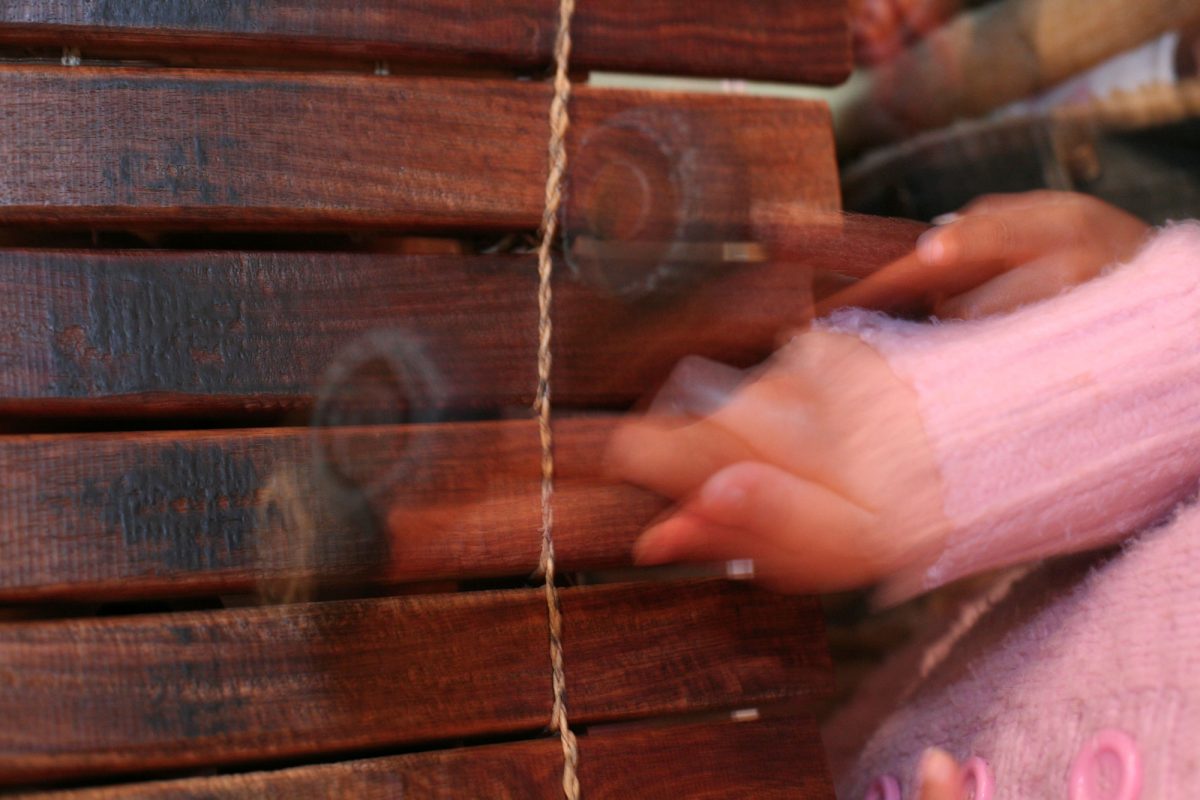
column 1030, row 283
column 689, row 538
column 768, row 418
column 1010, row 201
column 900, row 283
column 756, row 510
column 976, row 247
column 686, row 536
column 671, row 459
column 980, row 246
column 949, row 259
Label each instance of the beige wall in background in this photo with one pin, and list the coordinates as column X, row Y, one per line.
column 838, row 97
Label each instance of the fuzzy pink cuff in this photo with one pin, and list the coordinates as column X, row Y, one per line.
column 1067, row 424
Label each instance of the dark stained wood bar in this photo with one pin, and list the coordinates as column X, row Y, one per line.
column 301, row 151
column 221, row 687
column 109, row 516
column 158, row 332
column 801, row 41
column 717, row 761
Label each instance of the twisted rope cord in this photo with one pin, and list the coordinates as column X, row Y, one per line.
column 559, row 122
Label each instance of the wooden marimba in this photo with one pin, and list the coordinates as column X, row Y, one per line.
column 207, row 212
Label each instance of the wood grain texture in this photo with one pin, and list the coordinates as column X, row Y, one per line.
column 802, row 41
column 641, row 662
column 261, row 151
column 145, row 333
column 171, row 691
column 104, row 516
column 516, row 771
column 843, row 244
column 772, row 760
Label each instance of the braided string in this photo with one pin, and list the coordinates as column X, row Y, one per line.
column 559, row 122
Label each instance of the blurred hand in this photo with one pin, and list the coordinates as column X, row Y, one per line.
column 1004, row 251
column 815, row 465
column 882, row 28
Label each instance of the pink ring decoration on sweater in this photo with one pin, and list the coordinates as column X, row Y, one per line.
column 1084, row 771
column 884, row 787
column 977, row 782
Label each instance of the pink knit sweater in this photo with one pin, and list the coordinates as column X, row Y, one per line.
column 1062, row 427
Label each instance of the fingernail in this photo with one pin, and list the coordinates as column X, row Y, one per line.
column 697, row 387
column 946, row 219
column 706, row 397
column 740, row 569
column 722, row 494
column 930, row 247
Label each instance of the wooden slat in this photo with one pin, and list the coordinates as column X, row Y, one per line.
column 171, row 148
column 803, row 41
column 516, row 771
column 711, row 761
column 146, row 333
column 772, row 759
column 171, row 691
column 759, row 647
column 94, row 697
column 104, row 516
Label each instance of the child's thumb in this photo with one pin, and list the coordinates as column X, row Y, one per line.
column 759, row 511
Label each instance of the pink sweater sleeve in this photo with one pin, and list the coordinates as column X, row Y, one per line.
column 1065, row 425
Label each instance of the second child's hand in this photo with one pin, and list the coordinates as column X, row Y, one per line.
column 999, row 253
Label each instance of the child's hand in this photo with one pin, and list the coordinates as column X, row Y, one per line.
column 815, row 466
column 1004, row 251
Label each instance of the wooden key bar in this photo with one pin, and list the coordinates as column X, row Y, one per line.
column 92, row 697
column 118, row 516
column 715, row 760
column 803, row 41
column 104, row 147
